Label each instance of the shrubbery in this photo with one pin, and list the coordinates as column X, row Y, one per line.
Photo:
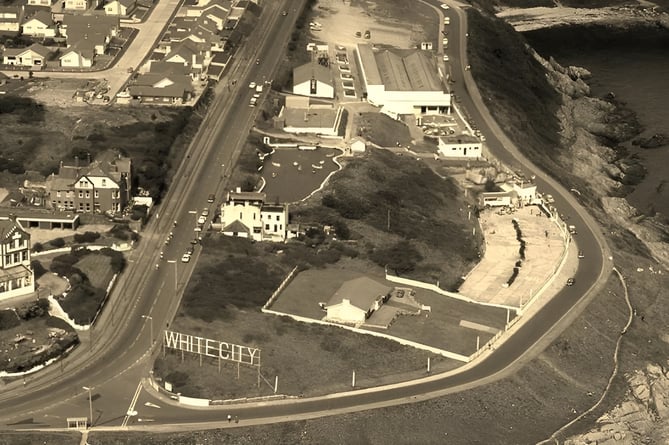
column 8, row 319
column 57, row 243
column 400, row 258
column 38, row 269
column 86, row 237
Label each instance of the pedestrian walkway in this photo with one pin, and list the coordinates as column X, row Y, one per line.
column 544, row 248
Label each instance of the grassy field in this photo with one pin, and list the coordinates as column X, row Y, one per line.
column 439, row 328
column 97, row 268
column 383, row 130
column 33, row 438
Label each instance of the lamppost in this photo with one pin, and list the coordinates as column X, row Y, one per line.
column 150, row 318
column 90, row 403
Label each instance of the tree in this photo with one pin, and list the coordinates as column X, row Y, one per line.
column 401, row 257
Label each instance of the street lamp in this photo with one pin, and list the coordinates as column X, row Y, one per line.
column 150, row 318
column 90, row 403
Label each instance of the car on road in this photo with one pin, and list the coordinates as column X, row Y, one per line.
column 194, row 241
column 202, row 219
column 205, row 212
column 257, row 61
column 185, row 258
column 252, row 85
column 570, row 282
column 445, row 57
column 211, row 198
column 581, row 255
column 284, row 13
column 444, row 6
column 253, row 102
column 190, row 250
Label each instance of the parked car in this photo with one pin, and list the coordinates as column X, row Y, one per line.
column 185, row 258
column 211, row 198
column 252, row 85
column 202, row 219
column 581, row 255
column 205, row 212
column 570, row 282
column 284, row 13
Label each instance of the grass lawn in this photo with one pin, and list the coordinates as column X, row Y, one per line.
column 35, row 438
column 439, row 328
column 383, row 130
column 97, row 269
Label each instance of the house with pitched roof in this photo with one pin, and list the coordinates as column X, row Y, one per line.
column 160, row 88
column 314, row 80
column 33, row 57
column 121, row 8
column 247, row 215
column 216, row 10
column 81, row 5
column 11, row 18
column 80, row 55
column 46, row 3
column 16, row 275
column 86, row 31
column 101, row 186
column 188, row 54
column 40, row 24
column 356, row 300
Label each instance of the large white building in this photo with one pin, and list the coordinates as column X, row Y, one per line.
column 314, row 80
column 246, row 215
column 402, row 82
column 16, row 275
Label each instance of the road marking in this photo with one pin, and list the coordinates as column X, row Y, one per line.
column 131, row 410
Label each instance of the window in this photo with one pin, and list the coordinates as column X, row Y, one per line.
column 88, row 194
column 266, row 226
column 58, row 194
column 97, row 194
column 17, row 257
column 277, row 217
column 104, row 182
column 81, row 194
column 8, row 260
column 24, row 255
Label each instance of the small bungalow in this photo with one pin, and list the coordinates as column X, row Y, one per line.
column 76, row 57
column 40, row 24
column 159, row 88
column 121, row 8
column 33, row 56
column 356, row 299
column 11, row 18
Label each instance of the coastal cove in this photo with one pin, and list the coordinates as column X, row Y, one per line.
column 633, row 64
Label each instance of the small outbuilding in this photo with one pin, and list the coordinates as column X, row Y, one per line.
column 358, row 145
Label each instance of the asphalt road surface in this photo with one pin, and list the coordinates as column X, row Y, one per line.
column 149, row 292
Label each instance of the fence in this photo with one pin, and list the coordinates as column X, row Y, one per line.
column 280, row 289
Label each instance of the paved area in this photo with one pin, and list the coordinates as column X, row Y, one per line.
column 544, row 248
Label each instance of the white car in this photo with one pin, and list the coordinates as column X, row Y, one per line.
column 185, row 258
column 252, row 85
column 445, row 57
column 444, row 6
column 205, row 212
column 202, row 219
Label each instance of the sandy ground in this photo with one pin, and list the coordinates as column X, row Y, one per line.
column 528, row 19
column 340, row 21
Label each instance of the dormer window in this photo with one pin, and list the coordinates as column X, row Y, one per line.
column 104, row 182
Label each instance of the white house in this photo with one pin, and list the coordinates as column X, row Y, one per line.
column 246, row 215
column 40, row 24
column 33, row 56
column 16, row 275
column 77, row 58
column 460, row 147
column 314, row 80
column 356, row 299
column 120, row 7
column 524, row 192
column 496, row 199
column 358, row 145
column 11, row 17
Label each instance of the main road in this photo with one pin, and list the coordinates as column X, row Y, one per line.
column 155, row 293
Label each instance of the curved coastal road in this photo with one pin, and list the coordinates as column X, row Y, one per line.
column 528, row 336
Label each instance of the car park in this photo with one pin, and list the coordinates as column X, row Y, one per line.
column 185, row 258
column 570, row 282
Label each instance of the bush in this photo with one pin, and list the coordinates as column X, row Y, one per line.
column 117, row 262
column 33, row 310
column 400, row 258
column 38, row 269
column 86, row 237
column 38, row 247
column 8, row 319
column 83, row 302
column 58, row 243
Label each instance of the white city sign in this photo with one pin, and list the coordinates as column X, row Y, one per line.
column 212, row 348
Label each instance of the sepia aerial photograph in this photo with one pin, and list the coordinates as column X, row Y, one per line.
column 334, row 222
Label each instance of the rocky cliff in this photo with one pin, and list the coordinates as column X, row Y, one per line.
column 643, row 415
